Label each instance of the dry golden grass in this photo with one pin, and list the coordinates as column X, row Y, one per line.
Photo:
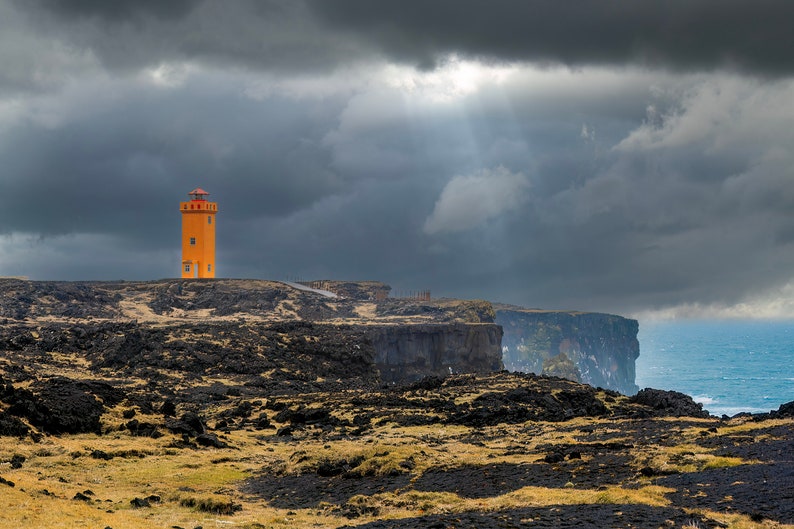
column 741, row 521
column 57, row 468
column 185, row 479
column 684, row 458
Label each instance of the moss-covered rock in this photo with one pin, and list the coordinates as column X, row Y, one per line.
column 561, row 366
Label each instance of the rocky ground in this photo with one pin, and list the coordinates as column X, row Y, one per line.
column 244, row 420
column 499, row 450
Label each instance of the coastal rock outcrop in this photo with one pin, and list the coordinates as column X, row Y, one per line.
column 263, row 327
column 669, row 403
column 409, row 353
column 603, row 347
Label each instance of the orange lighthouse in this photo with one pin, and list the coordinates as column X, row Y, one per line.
column 198, row 235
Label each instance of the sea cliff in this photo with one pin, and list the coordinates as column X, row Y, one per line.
column 256, row 320
column 602, row 348
column 408, row 353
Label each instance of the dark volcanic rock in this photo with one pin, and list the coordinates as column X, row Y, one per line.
column 71, row 300
column 499, row 401
column 140, row 503
column 765, row 491
column 669, row 403
column 143, row 429
column 488, row 481
column 188, row 424
column 553, row 517
column 785, row 410
column 61, row 405
column 770, row 445
column 406, row 353
column 524, row 404
column 168, row 408
column 210, row 440
column 306, row 415
column 80, row 496
column 11, row 426
column 309, row 490
column 427, row 383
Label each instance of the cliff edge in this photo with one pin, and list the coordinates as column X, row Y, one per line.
column 252, row 327
column 593, row 348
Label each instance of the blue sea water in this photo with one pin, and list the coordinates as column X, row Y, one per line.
column 728, row 366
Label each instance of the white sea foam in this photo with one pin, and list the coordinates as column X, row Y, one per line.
column 730, row 411
column 704, row 400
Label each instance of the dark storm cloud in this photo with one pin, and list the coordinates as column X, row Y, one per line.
column 322, row 34
column 116, row 11
column 607, row 186
column 680, row 34
column 279, row 35
column 123, row 167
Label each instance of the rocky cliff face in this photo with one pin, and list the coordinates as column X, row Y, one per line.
column 408, row 353
column 162, row 330
column 602, row 347
column 270, row 327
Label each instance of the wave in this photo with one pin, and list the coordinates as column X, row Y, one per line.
column 730, row 411
column 704, row 399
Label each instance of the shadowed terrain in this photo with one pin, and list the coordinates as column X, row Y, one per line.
column 254, row 404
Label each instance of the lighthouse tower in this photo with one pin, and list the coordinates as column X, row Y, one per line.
column 198, row 235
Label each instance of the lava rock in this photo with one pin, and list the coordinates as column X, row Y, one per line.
column 785, row 410
column 139, row 503
column 189, row 424
column 284, row 431
column 211, row 440
column 61, row 405
column 143, row 429
column 80, row 496
column 554, row 457
column 262, row 422
column 11, row 426
column 427, row 383
column 168, row 409
column 669, row 403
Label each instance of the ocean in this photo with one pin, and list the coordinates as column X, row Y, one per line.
column 728, row 366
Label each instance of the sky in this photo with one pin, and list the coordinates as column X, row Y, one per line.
column 614, row 156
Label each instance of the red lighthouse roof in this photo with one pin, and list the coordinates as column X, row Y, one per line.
column 198, row 194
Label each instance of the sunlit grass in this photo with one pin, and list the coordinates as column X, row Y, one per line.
column 740, row 521
column 685, row 457
column 192, row 481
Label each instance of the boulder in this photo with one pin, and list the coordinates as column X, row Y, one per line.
column 669, row 403
column 785, row 410
column 11, row 426
column 61, row 405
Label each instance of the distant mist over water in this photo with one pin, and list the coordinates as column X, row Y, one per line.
column 728, row 366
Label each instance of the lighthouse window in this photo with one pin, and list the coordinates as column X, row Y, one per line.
column 187, row 268
column 192, row 241
column 209, row 220
column 209, row 268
